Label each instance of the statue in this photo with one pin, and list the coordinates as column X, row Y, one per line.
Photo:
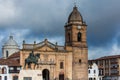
column 32, row 59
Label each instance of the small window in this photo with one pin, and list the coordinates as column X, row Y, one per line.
column 15, row 77
column 89, row 71
column 90, row 78
column 94, row 71
column 11, row 68
column 80, row 61
column 27, row 78
column 68, row 37
column 79, row 37
column 61, row 65
column 7, row 54
column 18, row 68
column 5, row 77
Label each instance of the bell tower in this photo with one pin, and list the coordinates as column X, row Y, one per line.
column 75, row 29
column 75, row 41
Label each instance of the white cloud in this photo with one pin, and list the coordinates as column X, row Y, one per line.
column 115, row 50
column 8, row 12
column 94, row 53
column 97, row 52
column 116, row 47
column 19, row 35
column 59, row 40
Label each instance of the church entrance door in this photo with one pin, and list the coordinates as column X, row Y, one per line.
column 61, row 76
column 45, row 74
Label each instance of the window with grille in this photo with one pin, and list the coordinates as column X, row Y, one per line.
column 61, row 65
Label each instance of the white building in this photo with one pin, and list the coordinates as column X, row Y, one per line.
column 94, row 73
column 4, row 72
column 10, row 67
column 10, row 47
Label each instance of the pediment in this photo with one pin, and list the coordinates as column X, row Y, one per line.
column 45, row 48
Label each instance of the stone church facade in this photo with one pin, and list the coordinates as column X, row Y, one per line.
column 68, row 62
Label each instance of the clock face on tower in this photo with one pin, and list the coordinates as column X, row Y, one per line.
column 79, row 27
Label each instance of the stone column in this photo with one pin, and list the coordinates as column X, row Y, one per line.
column 52, row 72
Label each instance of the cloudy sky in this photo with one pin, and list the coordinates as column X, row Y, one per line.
column 35, row 20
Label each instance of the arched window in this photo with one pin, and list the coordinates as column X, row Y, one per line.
column 79, row 37
column 68, row 37
column 61, row 65
column 7, row 54
column 4, row 70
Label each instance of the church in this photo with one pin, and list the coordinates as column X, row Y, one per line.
column 62, row 62
column 67, row 62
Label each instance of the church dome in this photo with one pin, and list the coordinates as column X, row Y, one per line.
column 75, row 16
column 11, row 42
column 10, row 47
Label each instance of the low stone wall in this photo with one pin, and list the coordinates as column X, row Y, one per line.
column 33, row 74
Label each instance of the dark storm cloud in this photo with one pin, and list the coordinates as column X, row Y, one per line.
column 37, row 19
column 40, row 16
column 102, row 17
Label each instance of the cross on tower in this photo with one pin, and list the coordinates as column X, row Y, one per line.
column 75, row 2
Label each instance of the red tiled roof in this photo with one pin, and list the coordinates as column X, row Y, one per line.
column 109, row 57
column 15, row 55
column 13, row 60
column 106, row 57
column 9, row 62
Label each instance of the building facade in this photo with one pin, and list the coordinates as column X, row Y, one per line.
column 94, row 72
column 10, row 61
column 68, row 62
column 10, row 67
column 110, row 65
column 4, row 72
